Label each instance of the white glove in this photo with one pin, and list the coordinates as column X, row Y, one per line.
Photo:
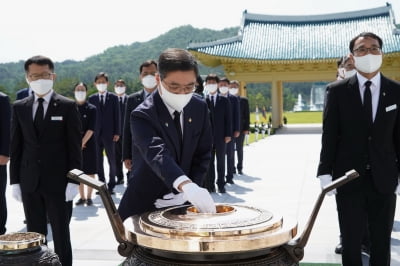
column 170, row 199
column 398, row 189
column 199, row 197
column 326, row 180
column 16, row 192
column 71, row 191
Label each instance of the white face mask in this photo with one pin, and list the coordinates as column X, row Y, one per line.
column 80, row 96
column 41, row 86
column 102, row 87
column 233, row 91
column 223, row 90
column 149, row 81
column 119, row 90
column 211, row 88
column 368, row 63
column 348, row 74
column 175, row 101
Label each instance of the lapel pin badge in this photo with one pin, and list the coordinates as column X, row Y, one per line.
column 384, row 94
column 190, row 120
column 166, row 124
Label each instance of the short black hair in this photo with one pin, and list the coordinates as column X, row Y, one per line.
column 80, row 83
column 176, row 59
column 39, row 60
column 212, row 76
column 120, row 81
column 147, row 63
column 224, row 79
column 365, row 34
column 101, row 75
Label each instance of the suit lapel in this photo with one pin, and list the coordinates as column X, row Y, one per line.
column 51, row 108
column 382, row 103
column 28, row 110
column 188, row 117
column 168, row 124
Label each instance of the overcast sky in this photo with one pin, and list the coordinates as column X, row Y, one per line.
column 77, row 29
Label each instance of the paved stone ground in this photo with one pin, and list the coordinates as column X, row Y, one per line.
column 279, row 176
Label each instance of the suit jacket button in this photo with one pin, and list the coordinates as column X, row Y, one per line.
column 369, row 138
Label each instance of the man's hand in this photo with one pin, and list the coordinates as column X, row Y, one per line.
column 199, row 197
column 170, row 199
column 128, row 164
column 71, row 191
column 326, row 180
column 16, row 192
column 236, row 134
column 227, row 139
column 3, row 160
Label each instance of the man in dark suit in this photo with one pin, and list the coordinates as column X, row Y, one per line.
column 147, row 70
column 45, row 145
column 221, row 123
column 120, row 89
column 244, row 123
column 23, row 93
column 361, row 131
column 108, row 127
column 5, row 118
column 223, row 87
column 171, row 141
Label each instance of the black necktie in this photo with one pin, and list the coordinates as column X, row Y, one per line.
column 177, row 122
column 368, row 102
column 101, row 101
column 39, row 116
column 212, row 100
column 121, row 104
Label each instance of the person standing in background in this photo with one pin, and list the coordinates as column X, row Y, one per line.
column 361, row 131
column 147, row 70
column 120, row 89
column 244, row 124
column 87, row 113
column 107, row 130
column 221, row 124
column 5, row 119
column 45, row 146
column 223, row 87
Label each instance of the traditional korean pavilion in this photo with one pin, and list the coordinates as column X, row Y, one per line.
column 279, row 49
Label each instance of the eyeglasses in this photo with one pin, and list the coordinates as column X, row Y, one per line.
column 41, row 76
column 177, row 88
column 364, row 51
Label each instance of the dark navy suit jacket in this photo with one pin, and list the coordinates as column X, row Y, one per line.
column 132, row 102
column 22, row 93
column 347, row 143
column 5, row 120
column 235, row 107
column 108, row 116
column 158, row 156
column 43, row 161
column 221, row 119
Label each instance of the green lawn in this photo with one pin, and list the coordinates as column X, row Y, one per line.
column 293, row 117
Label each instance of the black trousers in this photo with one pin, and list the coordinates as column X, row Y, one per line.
column 36, row 205
column 358, row 208
column 3, row 202
column 109, row 146
column 218, row 154
column 118, row 160
column 230, row 159
column 239, row 150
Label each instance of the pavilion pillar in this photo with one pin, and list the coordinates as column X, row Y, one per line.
column 277, row 103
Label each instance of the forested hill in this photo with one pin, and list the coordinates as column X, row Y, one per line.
column 121, row 61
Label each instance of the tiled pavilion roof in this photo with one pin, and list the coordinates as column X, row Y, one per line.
column 316, row 37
